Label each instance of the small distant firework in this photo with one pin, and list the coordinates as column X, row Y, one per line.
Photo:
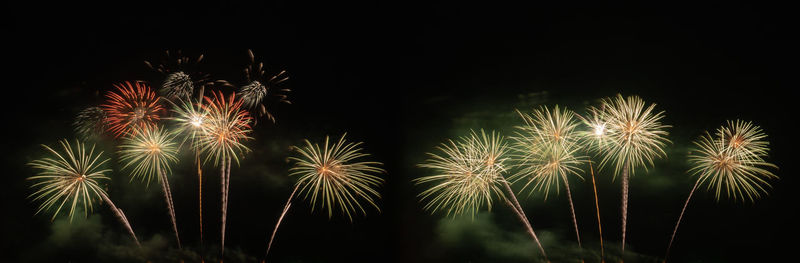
column 133, row 106
column 547, row 152
column 149, row 152
column 259, row 86
column 181, row 76
column 334, row 175
column 636, row 137
column 228, row 127
column 72, row 177
column 91, row 123
column 732, row 159
column 469, row 174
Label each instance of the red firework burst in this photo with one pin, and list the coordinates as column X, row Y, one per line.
column 134, row 105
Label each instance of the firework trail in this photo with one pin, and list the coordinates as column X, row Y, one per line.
column 75, row 178
column 336, row 174
column 170, row 205
column 200, row 194
column 149, row 152
column 595, row 140
column 133, row 106
column 597, row 208
column 280, row 219
column 121, row 217
column 733, row 159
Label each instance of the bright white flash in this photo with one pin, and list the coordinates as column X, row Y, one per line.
column 599, row 129
column 197, row 121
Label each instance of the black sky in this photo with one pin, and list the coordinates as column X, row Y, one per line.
column 396, row 76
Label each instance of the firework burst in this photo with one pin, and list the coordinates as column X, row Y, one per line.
column 133, row 106
column 732, row 159
column 547, row 152
column 636, row 137
column 334, row 175
column 468, row 175
column 149, row 153
column 228, row 126
column 259, row 86
column 192, row 120
column 733, row 163
column 463, row 180
column 72, row 177
column 181, row 76
column 91, row 123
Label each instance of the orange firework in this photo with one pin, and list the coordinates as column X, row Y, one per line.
column 133, row 105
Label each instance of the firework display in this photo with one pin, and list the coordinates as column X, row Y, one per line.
column 333, row 175
column 552, row 148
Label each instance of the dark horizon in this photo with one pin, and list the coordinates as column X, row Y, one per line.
column 403, row 79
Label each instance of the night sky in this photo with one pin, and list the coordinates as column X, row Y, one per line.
column 403, row 78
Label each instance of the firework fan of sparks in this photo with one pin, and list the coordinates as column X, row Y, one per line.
column 134, row 106
column 91, row 123
column 546, row 149
column 468, row 174
column 149, row 152
column 334, row 176
column 181, row 78
column 191, row 118
column 732, row 160
column 71, row 177
column 259, row 86
column 227, row 125
column 634, row 131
